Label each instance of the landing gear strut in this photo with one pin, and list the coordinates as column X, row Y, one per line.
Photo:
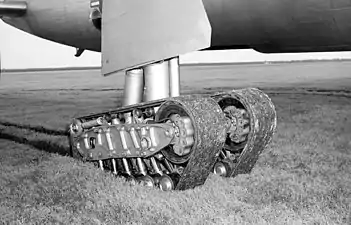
column 159, row 138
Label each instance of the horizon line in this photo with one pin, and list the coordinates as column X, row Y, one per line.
column 32, row 69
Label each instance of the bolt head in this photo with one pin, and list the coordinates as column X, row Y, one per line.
column 74, row 128
column 220, row 169
column 144, row 143
column 178, row 150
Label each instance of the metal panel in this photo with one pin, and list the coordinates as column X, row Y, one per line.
column 277, row 26
column 63, row 21
column 138, row 32
column 18, row 8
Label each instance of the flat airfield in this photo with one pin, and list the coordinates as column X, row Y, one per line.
column 303, row 177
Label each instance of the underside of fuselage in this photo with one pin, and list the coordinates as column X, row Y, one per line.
column 66, row 22
column 270, row 26
column 275, row 26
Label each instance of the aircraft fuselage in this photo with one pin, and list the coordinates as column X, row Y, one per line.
column 268, row 26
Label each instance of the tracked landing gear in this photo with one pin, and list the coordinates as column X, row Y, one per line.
column 171, row 142
column 253, row 121
column 183, row 137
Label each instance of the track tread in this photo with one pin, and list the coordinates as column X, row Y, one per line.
column 263, row 122
column 210, row 133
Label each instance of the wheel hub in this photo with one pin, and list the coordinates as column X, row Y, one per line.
column 184, row 131
column 166, row 183
column 220, row 169
column 239, row 124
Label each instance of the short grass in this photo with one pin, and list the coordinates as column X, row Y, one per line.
column 303, row 177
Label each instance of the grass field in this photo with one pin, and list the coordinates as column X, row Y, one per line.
column 303, row 177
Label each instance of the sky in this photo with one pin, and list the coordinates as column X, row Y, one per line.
column 21, row 50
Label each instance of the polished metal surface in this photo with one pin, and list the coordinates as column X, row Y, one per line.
column 155, row 166
column 126, row 167
column 114, row 166
column 156, row 78
column 166, row 183
column 174, row 77
column 141, row 166
column 101, row 165
column 13, row 9
column 220, row 169
column 133, row 87
column 146, row 180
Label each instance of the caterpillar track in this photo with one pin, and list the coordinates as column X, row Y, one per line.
column 175, row 143
column 253, row 121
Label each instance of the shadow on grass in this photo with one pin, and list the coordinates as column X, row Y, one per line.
column 41, row 145
column 38, row 129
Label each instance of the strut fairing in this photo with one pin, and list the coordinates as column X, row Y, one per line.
column 164, row 29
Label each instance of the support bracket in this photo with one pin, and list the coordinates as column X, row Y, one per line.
column 124, row 141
